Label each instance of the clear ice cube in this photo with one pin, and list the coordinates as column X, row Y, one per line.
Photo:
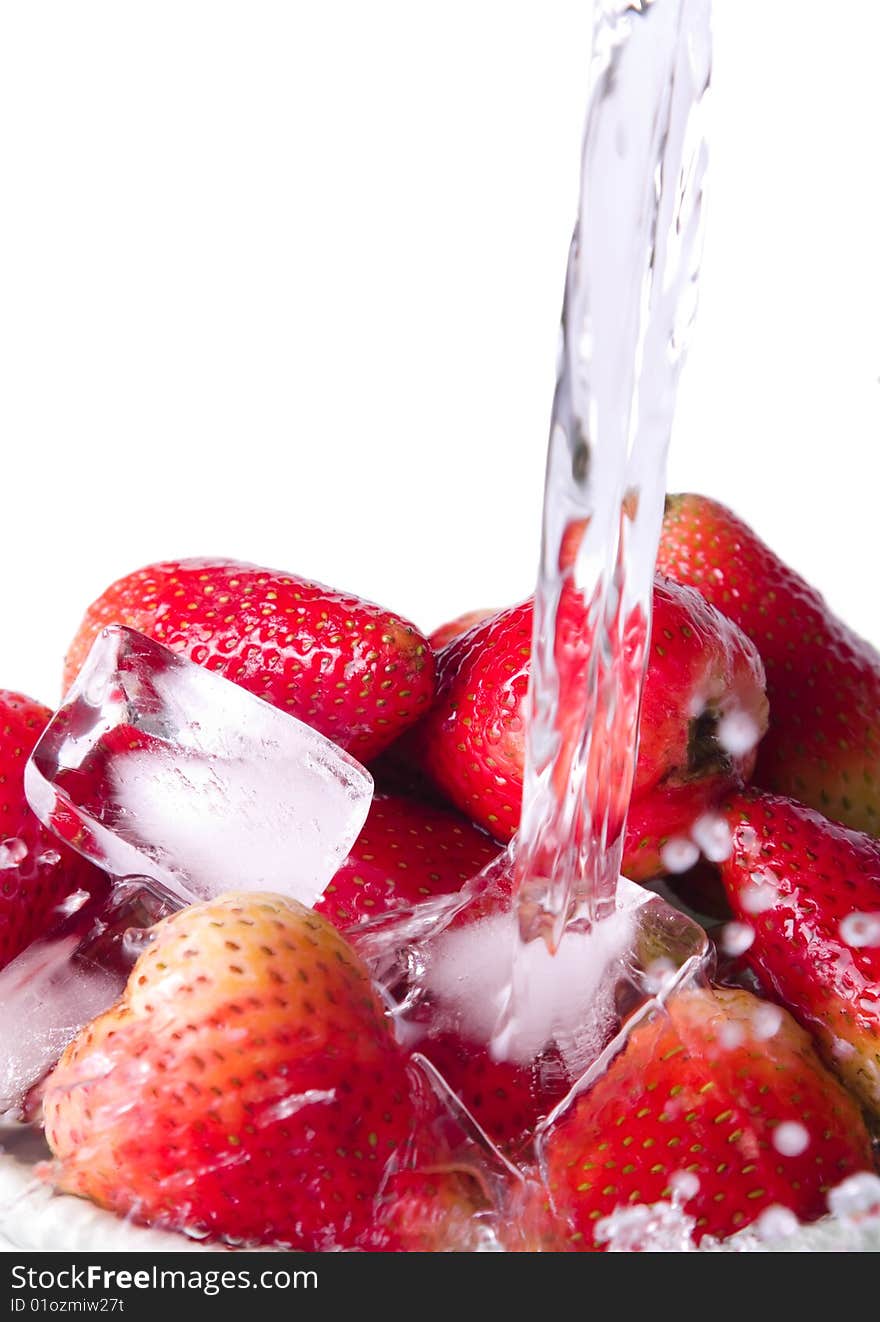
column 463, row 986
column 69, row 976
column 158, row 767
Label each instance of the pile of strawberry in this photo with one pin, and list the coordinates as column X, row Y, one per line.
column 249, row 1084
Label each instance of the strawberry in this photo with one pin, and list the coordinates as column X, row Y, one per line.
column 667, row 812
column 433, row 1211
column 471, row 742
column 703, row 677
column 448, row 1209
column 446, row 632
column 407, row 852
column 823, row 682
column 810, row 891
column 246, row 1086
column 37, row 872
column 702, row 1090
column 353, row 671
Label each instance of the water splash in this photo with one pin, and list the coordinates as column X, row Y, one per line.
column 629, row 304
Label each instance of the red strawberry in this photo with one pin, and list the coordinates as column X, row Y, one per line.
column 407, row 852
column 446, row 632
column 823, row 682
column 246, row 1086
column 664, row 813
column 702, row 1090
column 37, row 872
column 471, row 742
column 355, row 672
column 701, row 672
column 810, row 891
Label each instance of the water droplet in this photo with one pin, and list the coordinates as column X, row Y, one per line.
column 776, row 1223
column 685, row 1185
column 196, row 1232
column 747, row 843
column 135, row 942
column 791, row 1139
column 98, row 677
column 12, row 852
column 658, row 975
column 762, row 894
column 660, row 1228
column 855, row 1196
column 736, row 938
column 738, row 733
column 861, row 929
column 731, row 1035
column 72, row 903
column 49, row 858
column 678, row 854
column 712, row 834
column 767, row 1021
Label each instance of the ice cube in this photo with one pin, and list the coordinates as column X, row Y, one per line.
column 68, row 977
column 464, row 988
column 567, row 998
column 156, row 766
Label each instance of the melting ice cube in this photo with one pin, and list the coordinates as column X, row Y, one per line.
column 68, row 977
column 463, row 988
column 520, row 998
column 568, row 997
column 158, row 767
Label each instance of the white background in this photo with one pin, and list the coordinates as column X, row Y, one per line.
column 281, row 281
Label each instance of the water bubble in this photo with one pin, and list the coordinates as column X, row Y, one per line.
column 747, row 844
column 135, row 941
column 99, row 680
column 861, row 929
column 738, row 733
column 731, row 1035
column 658, row 975
column 685, row 1185
column 49, row 858
column 712, row 834
column 763, row 892
column 757, row 899
column 791, row 1139
column 661, row 1228
column 72, row 903
column 776, row 1223
column 678, row 854
column 12, row 852
column 196, row 1231
column 855, row 1196
column 736, row 938
column 767, row 1021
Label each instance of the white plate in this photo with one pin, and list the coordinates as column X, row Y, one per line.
column 34, row 1218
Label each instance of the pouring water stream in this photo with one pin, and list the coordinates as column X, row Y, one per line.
column 629, row 304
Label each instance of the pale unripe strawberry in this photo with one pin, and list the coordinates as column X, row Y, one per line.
column 247, row 1085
